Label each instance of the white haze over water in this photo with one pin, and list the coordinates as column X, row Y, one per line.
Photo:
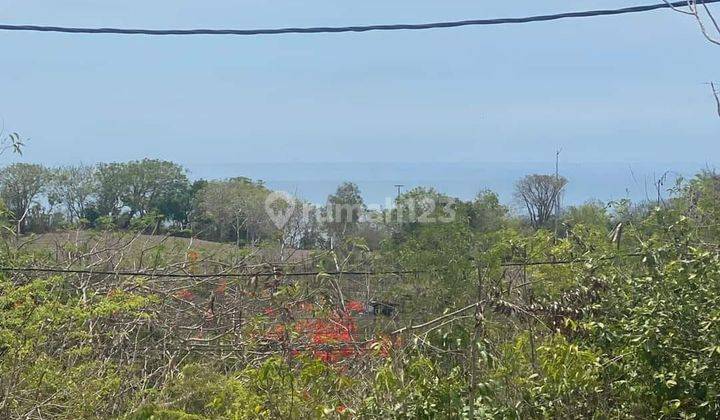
column 587, row 181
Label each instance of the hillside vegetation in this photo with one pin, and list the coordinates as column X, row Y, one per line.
column 609, row 311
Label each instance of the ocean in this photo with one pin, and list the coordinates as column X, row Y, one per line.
column 603, row 181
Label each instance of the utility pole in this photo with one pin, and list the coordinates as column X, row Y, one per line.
column 398, row 186
column 398, row 211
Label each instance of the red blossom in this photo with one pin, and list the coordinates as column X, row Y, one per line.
column 184, row 294
column 354, row 306
column 331, row 339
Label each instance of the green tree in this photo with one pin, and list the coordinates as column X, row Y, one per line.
column 20, row 185
column 592, row 213
column 75, row 187
column 235, row 209
column 110, row 189
column 343, row 212
column 486, row 213
column 150, row 183
column 143, row 187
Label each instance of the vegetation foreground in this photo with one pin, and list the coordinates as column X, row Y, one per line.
column 614, row 315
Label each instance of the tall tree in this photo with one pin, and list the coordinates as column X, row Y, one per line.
column 75, row 187
column 344, row 210
column 110, row 189
column 486, row 214
column 20, row 185
column 539, row 194
column 149, row 183
column 142, row 187
column 235, row 209
column 302, row 229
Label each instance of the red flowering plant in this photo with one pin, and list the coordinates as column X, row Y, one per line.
column 331, row 337
column 184, row 294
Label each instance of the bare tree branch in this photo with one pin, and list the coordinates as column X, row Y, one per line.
column 716, row 94
column 677, row 9
column 700, row 16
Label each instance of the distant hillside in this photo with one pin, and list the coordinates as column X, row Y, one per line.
column 66, row 245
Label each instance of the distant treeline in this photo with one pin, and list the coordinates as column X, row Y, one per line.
column 157, row 196
column 153, row 194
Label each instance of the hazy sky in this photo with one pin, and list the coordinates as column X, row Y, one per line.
column 624, row 88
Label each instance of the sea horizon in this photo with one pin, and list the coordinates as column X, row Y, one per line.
column 314, row 181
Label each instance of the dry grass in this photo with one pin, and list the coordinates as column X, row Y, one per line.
column 142, row 250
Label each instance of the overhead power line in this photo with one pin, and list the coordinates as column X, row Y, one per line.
column 570, row 261
column 291, row 274
column 191, row 275
column 338, row 29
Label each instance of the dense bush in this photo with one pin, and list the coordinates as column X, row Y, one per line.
column 619, row 321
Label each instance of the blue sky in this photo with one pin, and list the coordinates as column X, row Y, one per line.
column 610, row 89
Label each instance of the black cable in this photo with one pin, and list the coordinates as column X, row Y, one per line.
column 296, row 274
column 337, row 29
column 572, row 261
column 190, row 275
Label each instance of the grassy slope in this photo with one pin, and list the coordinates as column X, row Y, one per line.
column 61, row 245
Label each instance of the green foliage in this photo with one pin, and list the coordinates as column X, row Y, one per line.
column 662, row 330
column 12, row 142
column 567, row 384
column 343, row 211
column 443, row 252
column 307, row 388
column 143, row 187
column 608, row 326
column 699, row 200
column 49, row 350
column 75, row 188
column 417, row 390
column 486, row 213
column 20, row 185
column 591, row 215
column 563, row 382
column 234, row 210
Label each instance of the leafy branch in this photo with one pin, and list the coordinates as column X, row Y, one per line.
column 12, row 142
